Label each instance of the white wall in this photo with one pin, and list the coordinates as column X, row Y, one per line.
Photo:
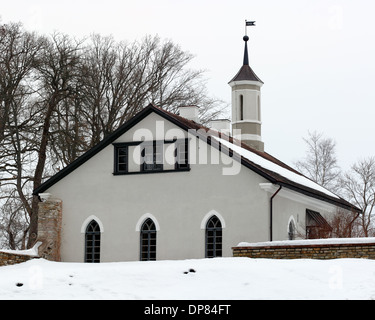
column 179, row 201
column 288, row 205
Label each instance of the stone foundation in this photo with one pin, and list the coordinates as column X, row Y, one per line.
column 49, row 229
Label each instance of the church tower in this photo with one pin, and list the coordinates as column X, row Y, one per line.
column 246, row 104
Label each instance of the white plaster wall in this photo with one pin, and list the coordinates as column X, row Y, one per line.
column 288, row 204
column 250, row 102
column 179, row 201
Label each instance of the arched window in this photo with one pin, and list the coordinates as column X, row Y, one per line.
column 148, row 241
column 214, row 237
column 241, row 107
column 291, row 230
column 92, row 242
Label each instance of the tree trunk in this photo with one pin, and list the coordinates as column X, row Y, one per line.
column 38, row 175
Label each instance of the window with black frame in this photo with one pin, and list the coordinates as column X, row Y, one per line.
column 148, row 241
column 149, row 156
column 92, row 242
column 214, row 238
column 152, row 156
column 182, row 154
column 122, row 159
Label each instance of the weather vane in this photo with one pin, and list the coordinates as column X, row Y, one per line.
column 249, row 24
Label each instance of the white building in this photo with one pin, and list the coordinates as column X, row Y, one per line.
column 164, row 187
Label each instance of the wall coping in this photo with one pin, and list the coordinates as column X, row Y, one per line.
column 321, row 243
column 33, row 252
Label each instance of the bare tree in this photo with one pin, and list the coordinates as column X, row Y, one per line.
column 121, row 79
column 13, row 222
column 359, row 186
column 57, row 75
column 59, row 97
column 320, row 163
column 19, row 54
column 345, row 224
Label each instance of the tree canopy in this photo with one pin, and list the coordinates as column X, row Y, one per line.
column 60, row 96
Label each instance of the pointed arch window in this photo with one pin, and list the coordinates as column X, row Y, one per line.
column 92, row 242
column 214, row 238
column 148, row 241
column 291, row 230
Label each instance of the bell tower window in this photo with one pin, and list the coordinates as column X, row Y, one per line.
column 241, row 107
column 259, row 118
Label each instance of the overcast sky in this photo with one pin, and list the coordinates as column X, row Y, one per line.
column 316, row 58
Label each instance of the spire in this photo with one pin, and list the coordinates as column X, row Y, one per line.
column 246, row 54
column 246, row 108
column 246, row 73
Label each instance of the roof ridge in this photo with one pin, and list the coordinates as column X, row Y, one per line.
column 231, row 139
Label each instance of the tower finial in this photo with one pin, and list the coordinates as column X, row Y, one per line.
column 246, row 39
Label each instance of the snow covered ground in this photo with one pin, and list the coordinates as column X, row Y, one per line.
column 203, row 279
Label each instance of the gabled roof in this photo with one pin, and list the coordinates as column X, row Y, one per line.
column 262, row 163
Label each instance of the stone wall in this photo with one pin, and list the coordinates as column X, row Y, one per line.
column 49, row 234
column 49, row 229
column 7, row 258
column 308, row 249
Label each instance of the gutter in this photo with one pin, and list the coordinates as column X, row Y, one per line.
column 271, row 211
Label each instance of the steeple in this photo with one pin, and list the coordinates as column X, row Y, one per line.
column 246, row 54
column 246, row 108
column 246, row 73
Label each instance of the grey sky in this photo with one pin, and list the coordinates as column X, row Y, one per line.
column 316, row 58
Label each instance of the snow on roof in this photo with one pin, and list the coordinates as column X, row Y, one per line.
column 266, row 164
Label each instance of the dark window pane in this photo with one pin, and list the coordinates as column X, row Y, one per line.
column 92, row 242
column 152, row 157
column 122, row 151
column 148, row 241
column 121, row 160
column 213, row 238
column 182, row 155
column 122, row 167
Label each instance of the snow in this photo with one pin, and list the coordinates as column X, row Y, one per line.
column 269, row 165
column 208, row 279
column 341, row 241
column 33, row 252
